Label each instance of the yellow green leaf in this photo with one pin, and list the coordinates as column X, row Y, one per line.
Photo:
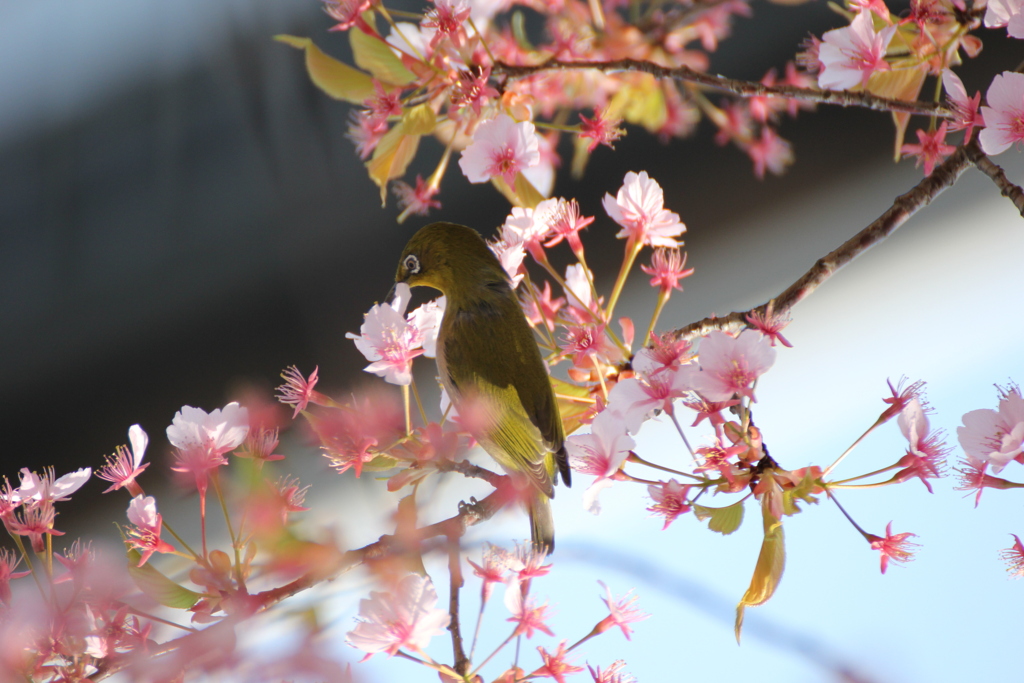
column 335, row 78
column 723, row 520
column 640, row 101
column 573, row 402
column 391, row 157
column 768, row 570
column 801, row 491
column 157, row 586
column 374, row 55
column 419, row 120
column 529, row 196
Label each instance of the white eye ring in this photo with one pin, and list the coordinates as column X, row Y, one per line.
column 412, row 264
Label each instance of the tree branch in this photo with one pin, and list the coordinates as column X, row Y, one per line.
column 842, row 98
column 905, row 206
column 984, row 164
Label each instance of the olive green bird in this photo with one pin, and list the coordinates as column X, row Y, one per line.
column 490, row 365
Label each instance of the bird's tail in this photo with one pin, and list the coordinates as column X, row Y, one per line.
column 542, row 524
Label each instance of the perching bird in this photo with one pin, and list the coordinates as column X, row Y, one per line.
column 490, row 365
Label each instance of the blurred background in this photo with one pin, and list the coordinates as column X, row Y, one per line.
column 181, row 216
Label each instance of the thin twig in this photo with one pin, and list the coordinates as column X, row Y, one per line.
column 842, row 98
column 984, row 164
column 456, row 583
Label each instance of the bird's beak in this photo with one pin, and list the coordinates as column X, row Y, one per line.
column 391, row 294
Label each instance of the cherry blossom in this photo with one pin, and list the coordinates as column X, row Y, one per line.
column 540, row 308
column 298, row 391
column 932, row 148
column 566, row 224
column 1004, row 115
column 511, row 252
column 123, row 467
column 664, row 352
column 668, row 267
column 8, row 563
column 347, row 13
column 601, row 453
column 851, row 55
column 622, row 613
column 730, row 365
column 46, row 489
column 999, row 12
column 770, row 324
column 770, row 152
column 639, row 207
column 966, row 113
column 526, row 614
column 532, row 225
column 925, row 458
column 427, row 320
column 404, row 617
column 492, row 571
column 612, row 674
column 448, row 18
column 416, row 201
column 995, row 436
column 35, row 521
column 1013, row 556
column 893, row 547
column 600, row 130
column 500, row 147
column 638, row 398
column 218, row 432
column 669, row 500
column 578, row 292
column 555, row 665
column 388, row 340
column 145, row 537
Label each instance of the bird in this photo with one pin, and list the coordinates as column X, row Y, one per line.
column 489, row 363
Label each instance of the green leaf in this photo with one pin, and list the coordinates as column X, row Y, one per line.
column 419, row 120
column 723, row 520
column 374, row 55
column 768, row 570
column 573, row 403
column 335, row 78
column 157, row 586
column 391, row 157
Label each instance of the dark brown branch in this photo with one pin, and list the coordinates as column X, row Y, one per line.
column 842, row 98
column 905, row 206
column 984, row 164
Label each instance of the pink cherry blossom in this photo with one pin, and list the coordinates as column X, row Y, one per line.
column 638, row 398
column 123, row 467
column 8, row 563
column 427, row 320
column 34, row 520
column 601, row 453
column 769, row 152
column 612, row 674
column 415, row 201
column 555, row 665
column 298, row 391
column 145, row 537
column 511, row 253
column 500, row 147
column 492, row 571
column 448, row 18
column 926, row 456
column 578, row 292
column 1012, row 556
column 893, row 547
column 995, row 436
column 566, row 223
column 1004, row 115
column 851, row 55
column 730, row 365
column 526, row 614
column 218, row 432
column 668, row 267
column 770, row 324
column 966, row 113
column 639, row 207
column 540, row 308
column 45, row 488
column 664, row 352
column 669, row 500
column 388, row 340
column 601, row 129
column 932, row 148
column 405, row 617
column 999, row 12
column 347, row 13
column 622, row 613
column 532, row 225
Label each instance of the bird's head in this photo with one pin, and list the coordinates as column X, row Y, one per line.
column 448, row 257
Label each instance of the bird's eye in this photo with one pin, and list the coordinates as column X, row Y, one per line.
column 412, row 264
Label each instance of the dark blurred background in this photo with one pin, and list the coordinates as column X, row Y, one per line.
column 181, row 214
